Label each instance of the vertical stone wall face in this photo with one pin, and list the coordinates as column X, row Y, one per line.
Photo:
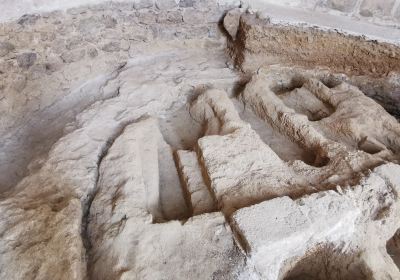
column 387, row 10
column 376, row 10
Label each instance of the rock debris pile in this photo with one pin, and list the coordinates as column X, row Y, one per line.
column 134, row 147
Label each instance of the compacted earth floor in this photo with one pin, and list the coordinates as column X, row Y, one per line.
column 187, row 141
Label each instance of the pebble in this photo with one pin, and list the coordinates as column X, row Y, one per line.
column 26, row 60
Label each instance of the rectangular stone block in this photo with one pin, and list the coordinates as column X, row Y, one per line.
column 197, row 190
column 278, row 231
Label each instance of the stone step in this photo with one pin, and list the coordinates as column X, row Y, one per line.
column 196, row 188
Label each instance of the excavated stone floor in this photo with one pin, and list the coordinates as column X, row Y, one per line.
column 190, row 142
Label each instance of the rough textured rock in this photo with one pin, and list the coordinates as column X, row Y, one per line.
column 28, row 19
column 342, row 5
column 165, row 4
column 186, row 3
column 341, row 230
column 141, row 4
column 371, row 8
column 26, row 60
column 5, row 48
column 126, row 240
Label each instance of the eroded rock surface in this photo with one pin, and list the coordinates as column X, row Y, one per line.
column 133, row 149
column 127, row 241
column 334, row 227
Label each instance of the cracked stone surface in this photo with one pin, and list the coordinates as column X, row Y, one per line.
column 162, row 140
column 278, row 243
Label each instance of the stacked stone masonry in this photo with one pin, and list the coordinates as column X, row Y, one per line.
column 378, row 11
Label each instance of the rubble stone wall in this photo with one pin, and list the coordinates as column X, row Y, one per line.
column 373, row 10
column 378, row 11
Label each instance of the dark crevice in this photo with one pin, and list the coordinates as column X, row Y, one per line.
column 238, row 235
column 327, row 262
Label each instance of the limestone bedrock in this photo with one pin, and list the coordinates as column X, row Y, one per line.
column 139, row 140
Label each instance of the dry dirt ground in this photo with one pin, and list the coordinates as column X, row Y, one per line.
column 195, row 141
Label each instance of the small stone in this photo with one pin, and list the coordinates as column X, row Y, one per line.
column 174, row 16
column 111, row 47
column 5, row 48
column 231, row 22
column 170, row 17
column 147, row 18
column 140, row 34
column 125, row 45
column 28, row 19
column 26, row 60
column 73, row 56
column 366, row 13
column 19, row 83
column 109, row 21
column 89, row 25
column 143, row 4
column 186, row 3
column 73, row 43
column 204, row 4
column 193, row 16
column 165, row 4
column 92, row 52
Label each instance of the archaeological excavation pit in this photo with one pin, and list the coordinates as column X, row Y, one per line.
column 199, row 139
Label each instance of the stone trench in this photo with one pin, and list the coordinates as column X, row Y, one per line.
column 196, row 140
